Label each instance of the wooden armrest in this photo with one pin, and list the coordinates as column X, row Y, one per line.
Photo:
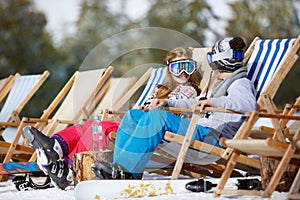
column 66, row 122
column 258, row 134
column 34, row 120
column 213, row 109
column 189, row 110
column 5, row 124
column 113, row 112
column 178, row 110
column 279, row 116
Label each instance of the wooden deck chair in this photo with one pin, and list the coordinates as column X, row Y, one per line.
column 6, row 84
column 157, row 76
column 152, row 76
column 112, row 93
column 282, row 146
column 23, row 89
column 268, row 63
column 66, row 109
column 199, row 55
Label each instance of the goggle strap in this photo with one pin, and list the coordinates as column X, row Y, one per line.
column 178, row 61
column 231, row 54
column 237, row 54
column 221, row 56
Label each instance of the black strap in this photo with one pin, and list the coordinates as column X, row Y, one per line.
column 23, row 183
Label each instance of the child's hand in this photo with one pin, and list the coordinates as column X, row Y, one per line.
column 202, row 104
column 157, row 103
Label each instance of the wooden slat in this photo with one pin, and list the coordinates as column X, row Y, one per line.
column 19, row 148
column 205, row 147
column 133, row 89
column 185, row 147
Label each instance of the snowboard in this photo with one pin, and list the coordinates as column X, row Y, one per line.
column 18, row 167
column 121, row 189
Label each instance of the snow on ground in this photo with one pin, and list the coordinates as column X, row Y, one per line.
column 8, row 191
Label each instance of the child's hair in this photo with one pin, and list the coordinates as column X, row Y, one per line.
column 180, row 52
column 162, row 92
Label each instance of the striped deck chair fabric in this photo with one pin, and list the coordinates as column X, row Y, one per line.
column 158, row 76
column 22, row 90
column 265, row 59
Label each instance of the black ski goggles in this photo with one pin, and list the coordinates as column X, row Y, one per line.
column 179, row 66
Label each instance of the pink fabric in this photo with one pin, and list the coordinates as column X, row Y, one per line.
column 79, row 137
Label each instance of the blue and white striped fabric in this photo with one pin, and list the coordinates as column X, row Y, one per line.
column 20, row 89
column 265, row 59
column 158, row 76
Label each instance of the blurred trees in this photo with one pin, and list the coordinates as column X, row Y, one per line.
column 269, row 20
column 189, row 17
column 27, row 47
column 95, row 24
column 266, row 19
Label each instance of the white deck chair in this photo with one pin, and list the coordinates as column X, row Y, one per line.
column 6, row 84
column 153, row 76
column 114, row 90
column 23, row 89
column 66, row 109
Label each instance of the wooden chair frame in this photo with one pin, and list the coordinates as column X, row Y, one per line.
column 275, row 146
column 6, row 84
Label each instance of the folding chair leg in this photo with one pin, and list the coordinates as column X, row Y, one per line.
column 185, row 145
column 282, row 166
column 293, row 193
column 14, row 143
column 275, row 177
column 227, row 172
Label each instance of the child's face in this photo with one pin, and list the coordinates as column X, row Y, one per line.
column 183, row 77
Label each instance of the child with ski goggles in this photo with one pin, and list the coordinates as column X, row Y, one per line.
column 180, row 85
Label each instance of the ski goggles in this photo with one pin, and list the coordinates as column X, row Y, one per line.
column 231, row 54
column 179, row 66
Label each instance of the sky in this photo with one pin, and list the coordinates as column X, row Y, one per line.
column 62, row 14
